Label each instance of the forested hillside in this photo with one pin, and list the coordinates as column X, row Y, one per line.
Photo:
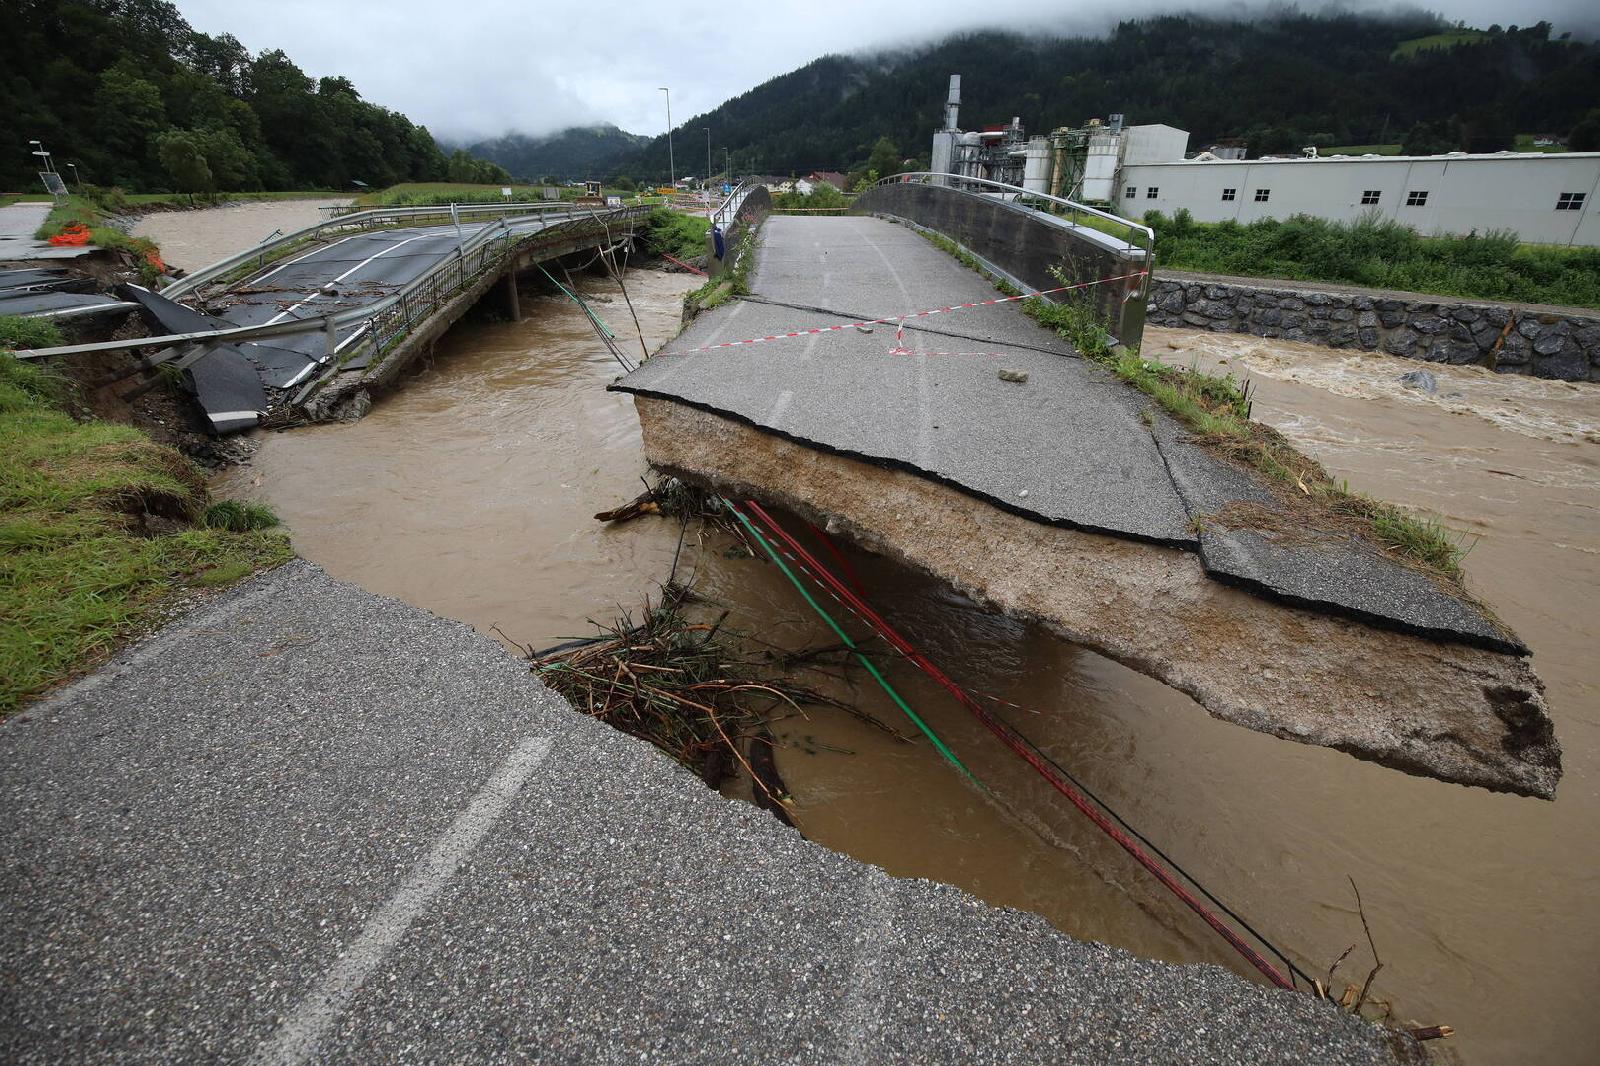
column 573, row 154
column 1278, row 81
column 131, row 93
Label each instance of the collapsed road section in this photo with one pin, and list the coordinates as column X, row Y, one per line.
column 1072, row 500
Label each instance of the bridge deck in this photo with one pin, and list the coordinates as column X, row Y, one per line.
column 1072, row 446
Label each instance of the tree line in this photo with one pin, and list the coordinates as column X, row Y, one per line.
column 136, row 97
column 1272, row 83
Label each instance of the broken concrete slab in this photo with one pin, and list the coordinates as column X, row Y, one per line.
column 229, row 389
column 1068, row 449
column 1451, row 710
column 1289, row 558
column 47, row 301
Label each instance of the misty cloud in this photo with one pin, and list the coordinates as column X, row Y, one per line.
column 483, row 67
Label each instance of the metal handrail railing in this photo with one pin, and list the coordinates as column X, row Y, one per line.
column 360, row 220
column 1071, row 210
column 422, row 294
column 728, row 210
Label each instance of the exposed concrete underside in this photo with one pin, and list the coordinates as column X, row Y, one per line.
column 1074, row 450
column 1451, row 711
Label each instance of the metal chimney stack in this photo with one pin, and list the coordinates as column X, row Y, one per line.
column 952, row 105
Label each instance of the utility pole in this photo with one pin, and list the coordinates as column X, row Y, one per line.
column 672, row 166
column 727, row 167
column 707, row 183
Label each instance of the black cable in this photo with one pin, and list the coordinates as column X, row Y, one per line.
column 858, row 316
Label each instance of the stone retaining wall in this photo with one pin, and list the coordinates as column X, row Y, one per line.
column 1542, row 343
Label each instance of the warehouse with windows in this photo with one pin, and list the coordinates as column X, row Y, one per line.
column 1544, row 199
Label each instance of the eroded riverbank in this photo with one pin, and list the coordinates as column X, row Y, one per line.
column 470, row 492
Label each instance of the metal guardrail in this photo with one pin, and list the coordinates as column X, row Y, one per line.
column 1135, row 234
column 443, row 214
column 388, row 320
column 729, row 209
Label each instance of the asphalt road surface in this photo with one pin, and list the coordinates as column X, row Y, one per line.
column 308, row 824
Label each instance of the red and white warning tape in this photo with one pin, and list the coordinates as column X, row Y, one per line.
column 900, row 320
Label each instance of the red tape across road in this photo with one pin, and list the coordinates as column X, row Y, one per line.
column 899, row 320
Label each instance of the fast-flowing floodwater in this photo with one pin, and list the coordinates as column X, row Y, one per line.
column 193, row 239
column 470, row 492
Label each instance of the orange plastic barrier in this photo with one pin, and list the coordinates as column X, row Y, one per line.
column 74, row 233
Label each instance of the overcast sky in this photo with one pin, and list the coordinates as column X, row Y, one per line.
column 477, row 68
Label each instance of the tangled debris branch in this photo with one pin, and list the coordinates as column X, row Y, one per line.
column 686, row 687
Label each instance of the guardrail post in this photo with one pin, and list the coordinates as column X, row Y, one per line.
column 330, row 339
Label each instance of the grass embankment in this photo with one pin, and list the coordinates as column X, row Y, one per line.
column 91, row 209
column 99, row 528
column 1382, row 255
column 1216, row 408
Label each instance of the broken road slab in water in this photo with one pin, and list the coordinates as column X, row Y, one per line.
column 1077, row 449
column 263, row 833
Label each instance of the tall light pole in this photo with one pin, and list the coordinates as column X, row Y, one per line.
column 38, row 150
column 76, row 179
column 707, row 183
column 672, row 166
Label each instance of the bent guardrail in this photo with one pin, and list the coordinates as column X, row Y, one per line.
column 386, row 322
column 1027, row 237
column 257, row 257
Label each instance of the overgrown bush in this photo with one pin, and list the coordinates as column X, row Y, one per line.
column 1383, row 254
column 675, row 233
column 239, row 516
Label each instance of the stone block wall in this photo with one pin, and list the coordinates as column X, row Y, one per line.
column 1542, row 343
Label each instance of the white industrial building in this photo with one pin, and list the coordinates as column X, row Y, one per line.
column 1544, row 199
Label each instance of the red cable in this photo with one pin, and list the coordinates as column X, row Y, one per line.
column 1077, row 799
column 850, row 574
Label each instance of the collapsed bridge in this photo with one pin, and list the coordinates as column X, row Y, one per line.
column 311, row 321
column 857, row 385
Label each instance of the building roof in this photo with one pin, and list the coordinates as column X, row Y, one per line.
column 1449, row 157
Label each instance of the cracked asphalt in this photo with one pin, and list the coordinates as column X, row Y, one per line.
column 307, row 823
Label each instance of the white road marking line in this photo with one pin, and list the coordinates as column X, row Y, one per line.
column 308, row 255
column 303, row 1029
column 393, row 247
column 778, row 408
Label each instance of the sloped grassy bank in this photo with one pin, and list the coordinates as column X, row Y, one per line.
column 100, row 529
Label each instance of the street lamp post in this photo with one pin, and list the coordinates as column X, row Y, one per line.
column 76, row 179
column 38, row 150
column 672, row 165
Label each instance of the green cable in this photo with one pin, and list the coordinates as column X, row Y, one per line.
column 579, row 301
column 845, row 637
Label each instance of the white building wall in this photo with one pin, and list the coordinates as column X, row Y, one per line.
column 1154, row 143
column 1466, row 193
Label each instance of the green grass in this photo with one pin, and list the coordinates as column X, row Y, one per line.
column 1449, row 39
column 719, row 289
column 1216, row 407
column 676, row 233
column 82, row 567
column 1362, row 149
column 1524, row 143
column 91, row 209
column 1382, row 254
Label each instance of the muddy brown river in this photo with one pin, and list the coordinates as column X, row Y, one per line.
column 470, row 492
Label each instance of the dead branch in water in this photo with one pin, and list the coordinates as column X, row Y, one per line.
column 685, row 687
column 1377, row 962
